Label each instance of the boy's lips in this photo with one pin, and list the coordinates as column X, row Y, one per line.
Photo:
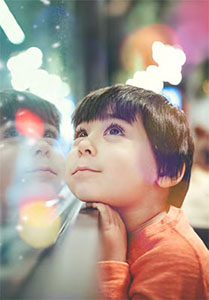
column 42, row 169
column 83, row 169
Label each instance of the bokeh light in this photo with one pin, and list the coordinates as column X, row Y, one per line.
column 170, row 60
column 39, row 224
column 173, row 95
column 27, row 60
column 149, row 79
column 22, row 66
column 29, row 124
column 192, row 27
column 137, row 46
column 9, row 25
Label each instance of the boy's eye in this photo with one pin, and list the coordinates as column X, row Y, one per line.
column 80, row 133
column 11, row 132
column 50, row 134
column 114, row 129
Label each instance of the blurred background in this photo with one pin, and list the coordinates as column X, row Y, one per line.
column 61, row 50
column 64, row 49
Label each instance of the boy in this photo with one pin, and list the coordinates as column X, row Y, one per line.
column 131, row 159
column 27, row 159
column 31, row 167
column 32, row 171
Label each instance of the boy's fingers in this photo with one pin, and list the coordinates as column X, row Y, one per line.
column 108, row 215
column 104, row 212
column 89, row 204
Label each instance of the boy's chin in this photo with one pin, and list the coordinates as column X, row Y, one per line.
column 53, row 183
column 87, row 198
column 45, row 190
column 86, row 193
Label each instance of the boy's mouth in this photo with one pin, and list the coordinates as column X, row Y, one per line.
column 44, row 170
column 84, row 169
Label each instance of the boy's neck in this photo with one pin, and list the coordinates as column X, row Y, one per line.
column 137, row 218
column 153, row 220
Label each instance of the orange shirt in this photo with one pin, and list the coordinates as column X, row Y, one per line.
column 167, row 260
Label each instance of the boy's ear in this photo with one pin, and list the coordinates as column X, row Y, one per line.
column 166, row 182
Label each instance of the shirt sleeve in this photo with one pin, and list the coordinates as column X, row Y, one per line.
column 114, row 280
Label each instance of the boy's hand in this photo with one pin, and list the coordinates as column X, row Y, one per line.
column 113, row 233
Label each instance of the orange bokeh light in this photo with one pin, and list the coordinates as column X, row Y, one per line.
column 137, row 46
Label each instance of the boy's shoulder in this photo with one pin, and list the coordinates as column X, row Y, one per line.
column 172, row 240
column 170, row 256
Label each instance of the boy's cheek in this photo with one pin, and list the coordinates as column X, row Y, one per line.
column 71, row 162
column 68, row 170
column 8, row 159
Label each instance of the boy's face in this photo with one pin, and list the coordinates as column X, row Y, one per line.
column 111, row 162
column 24, row 161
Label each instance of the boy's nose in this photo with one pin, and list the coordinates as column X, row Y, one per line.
column 41, row 148
column 86, row 147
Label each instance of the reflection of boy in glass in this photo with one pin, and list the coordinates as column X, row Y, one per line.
column 131, row 159
column 25, row 161
column 31, row 170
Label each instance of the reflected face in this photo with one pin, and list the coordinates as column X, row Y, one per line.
column 25, row 161
column 111, row 161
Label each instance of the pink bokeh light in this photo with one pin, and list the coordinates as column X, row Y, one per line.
column 192, row 27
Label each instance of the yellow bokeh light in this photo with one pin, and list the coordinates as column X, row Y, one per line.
column 38, row 225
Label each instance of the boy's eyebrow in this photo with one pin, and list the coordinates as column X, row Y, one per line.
column 109, row 116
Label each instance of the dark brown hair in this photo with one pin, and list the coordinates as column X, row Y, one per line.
column 12, row 100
